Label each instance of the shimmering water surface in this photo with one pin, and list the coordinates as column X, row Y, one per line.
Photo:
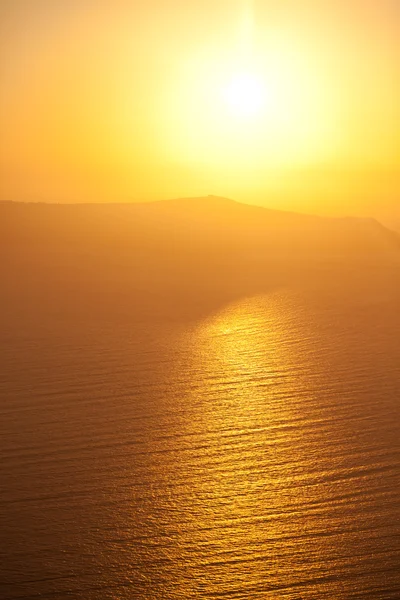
column 249, row 453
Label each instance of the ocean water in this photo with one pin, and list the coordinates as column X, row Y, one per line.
column 250, row 452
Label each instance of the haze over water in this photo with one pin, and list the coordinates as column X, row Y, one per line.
column 192, row 447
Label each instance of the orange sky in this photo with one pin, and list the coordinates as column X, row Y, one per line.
column 124, row 100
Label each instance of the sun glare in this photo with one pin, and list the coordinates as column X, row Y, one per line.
column 251, row 104
column 245, row 95
column 271, row 109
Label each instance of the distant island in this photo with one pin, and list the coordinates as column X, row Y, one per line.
column 184, row 255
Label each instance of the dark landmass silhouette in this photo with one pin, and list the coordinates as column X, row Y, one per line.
column 182, row 258
column 392, row 223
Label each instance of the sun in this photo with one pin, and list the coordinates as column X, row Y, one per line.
column 241, row 116
column 245, row 95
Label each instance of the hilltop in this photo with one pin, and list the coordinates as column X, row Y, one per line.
column 181, row 257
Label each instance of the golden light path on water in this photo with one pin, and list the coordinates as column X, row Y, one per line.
column 251, row 515
column 251, row 453
column 267, row 489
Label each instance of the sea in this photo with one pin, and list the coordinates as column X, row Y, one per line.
column 247, row 451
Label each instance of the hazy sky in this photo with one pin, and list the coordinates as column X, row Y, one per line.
column 292, row 103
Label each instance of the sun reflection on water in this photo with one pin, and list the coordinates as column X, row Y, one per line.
column 249, row 484
column 241, row 508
